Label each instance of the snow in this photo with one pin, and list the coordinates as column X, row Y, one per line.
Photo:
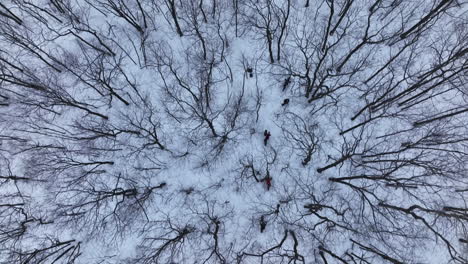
column 166, row 137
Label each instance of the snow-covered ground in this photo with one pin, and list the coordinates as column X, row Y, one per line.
column 123, row 140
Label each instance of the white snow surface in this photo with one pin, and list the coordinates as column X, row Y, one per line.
column 200, row 191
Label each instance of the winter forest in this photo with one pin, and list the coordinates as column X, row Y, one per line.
column 233, row 131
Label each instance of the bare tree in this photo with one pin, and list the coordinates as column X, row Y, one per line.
column 269, row 131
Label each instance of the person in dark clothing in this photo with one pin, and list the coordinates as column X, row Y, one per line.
column 285, row 102
column 263, row 224
column 286, row 83
column 250, row 72
column 268, row 182
column 267, row 137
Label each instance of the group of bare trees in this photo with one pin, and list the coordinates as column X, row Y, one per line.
column 132, row 131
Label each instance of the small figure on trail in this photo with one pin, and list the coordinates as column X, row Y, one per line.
column 263, row 224
column 285, row 102
column 286, row 83
column 267, row 137
column 249, row 71
column 268, row 182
